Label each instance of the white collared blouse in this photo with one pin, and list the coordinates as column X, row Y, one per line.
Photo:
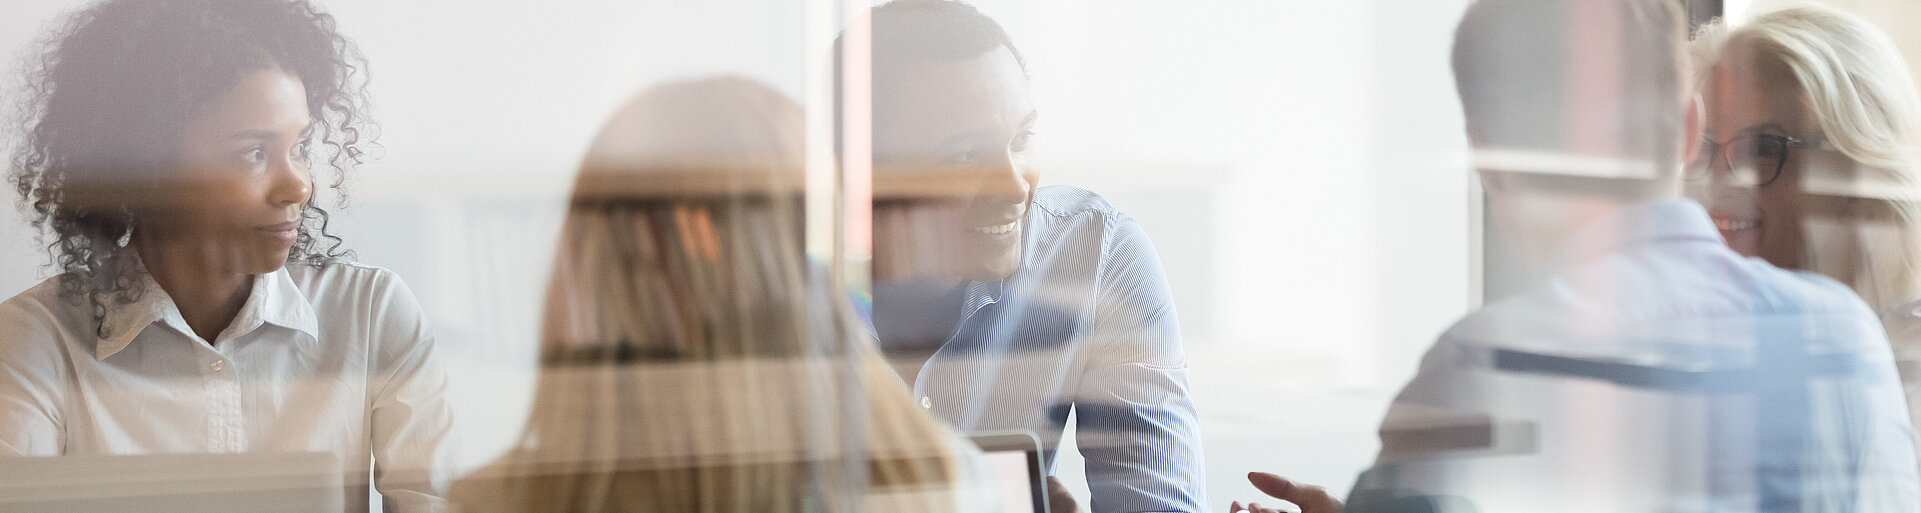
column 335, row 358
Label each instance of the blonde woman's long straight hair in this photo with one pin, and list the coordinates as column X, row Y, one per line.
column 1853, row 81
column 691, row 359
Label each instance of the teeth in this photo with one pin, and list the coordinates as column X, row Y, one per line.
column 996, row 229
column 1732, row 225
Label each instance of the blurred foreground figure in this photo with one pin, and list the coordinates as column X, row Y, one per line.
column 202, row 307
column 1810, row 158
column 1655, row 369
column 1009, row 305
column 690, row 358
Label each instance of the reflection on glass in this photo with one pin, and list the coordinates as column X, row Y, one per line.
column 1687, row 294
column 1844, row 203
column 691, row 359
column 1008, row 305
column 1655, row 369
column 203, row 311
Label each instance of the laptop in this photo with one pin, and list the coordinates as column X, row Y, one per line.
column 1014, row 458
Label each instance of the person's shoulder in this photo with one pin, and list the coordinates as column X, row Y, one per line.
column 1071, row 201
column 1063, row 210
column 343, row 276
column 43, row 302
column 38, row 319
column 1790, row 291
column 342, row 288
column 47, row 292
column 1691, row 279
column 367, row 297
column 1482, row 325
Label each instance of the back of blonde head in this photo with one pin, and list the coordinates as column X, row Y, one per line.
column 1853, row 81
column 691, row 361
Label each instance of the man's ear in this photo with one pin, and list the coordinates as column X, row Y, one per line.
column 1474, row 135
column 1492, row 182
column 1691, row 127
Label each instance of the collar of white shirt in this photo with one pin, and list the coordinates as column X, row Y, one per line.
column 274, row 300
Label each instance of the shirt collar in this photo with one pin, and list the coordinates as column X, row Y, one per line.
column 1641, row 223
column 274, row 300
column 979, row 295
column 124, row 321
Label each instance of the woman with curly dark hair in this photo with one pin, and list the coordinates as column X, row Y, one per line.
column 201, row 305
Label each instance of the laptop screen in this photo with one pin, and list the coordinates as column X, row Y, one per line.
column 1015, row 461
column 1011, row 480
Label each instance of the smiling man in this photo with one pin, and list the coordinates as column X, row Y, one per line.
column 1008, row 305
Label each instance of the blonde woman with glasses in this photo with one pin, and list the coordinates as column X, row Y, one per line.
column 1810, row 157
column 692, row 360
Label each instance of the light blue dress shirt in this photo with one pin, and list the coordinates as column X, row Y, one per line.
column 1679, row 376
column 1086, row 322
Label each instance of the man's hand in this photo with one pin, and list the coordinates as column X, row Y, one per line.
column 1311, row 499
column 1058, row 499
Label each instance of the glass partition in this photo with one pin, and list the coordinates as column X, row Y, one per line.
column 991, row 255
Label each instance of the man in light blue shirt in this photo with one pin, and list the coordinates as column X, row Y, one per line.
column 1008, row 305
column 1652, row 369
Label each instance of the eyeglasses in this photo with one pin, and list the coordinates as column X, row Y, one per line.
column 1753, row 160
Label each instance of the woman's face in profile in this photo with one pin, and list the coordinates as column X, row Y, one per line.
column 1759, row 145
column 238, row 190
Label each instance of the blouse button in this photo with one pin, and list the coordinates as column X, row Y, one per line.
column 218, row 364
column 926, row 402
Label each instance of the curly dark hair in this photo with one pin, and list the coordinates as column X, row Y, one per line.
column 109, row 92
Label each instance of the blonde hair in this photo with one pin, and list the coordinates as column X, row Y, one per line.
column 1853, row 81
column 691, row 361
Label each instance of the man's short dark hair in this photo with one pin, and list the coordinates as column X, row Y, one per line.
column 1596, row 77
column 911, row 32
